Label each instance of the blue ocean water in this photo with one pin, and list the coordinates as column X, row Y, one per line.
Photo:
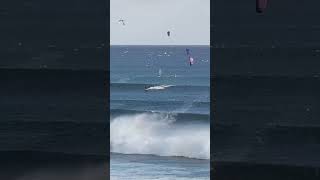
column 160, row 112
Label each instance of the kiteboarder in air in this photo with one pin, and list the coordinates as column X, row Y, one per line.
column 168, row 33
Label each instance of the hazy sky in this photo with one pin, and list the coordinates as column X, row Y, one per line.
column 147, row 22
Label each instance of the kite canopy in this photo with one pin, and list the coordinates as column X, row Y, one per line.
column 261, row 5
column 191, row 61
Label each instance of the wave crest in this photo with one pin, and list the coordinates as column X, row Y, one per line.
column 160, row 87
column 158, row 135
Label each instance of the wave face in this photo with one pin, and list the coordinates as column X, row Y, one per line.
column 156, row 134
column 179, row 117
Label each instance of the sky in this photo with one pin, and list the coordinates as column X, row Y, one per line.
column 147, row 22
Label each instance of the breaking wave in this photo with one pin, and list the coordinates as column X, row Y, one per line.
column 160, row 87
column 157, row 134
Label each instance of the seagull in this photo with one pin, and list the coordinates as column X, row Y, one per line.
column 122, row 21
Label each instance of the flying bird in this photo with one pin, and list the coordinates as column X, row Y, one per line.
column 122, row 21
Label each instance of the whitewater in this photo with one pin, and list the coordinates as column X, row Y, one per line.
column 158, row 134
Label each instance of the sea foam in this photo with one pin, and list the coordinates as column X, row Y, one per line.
column 157, row 134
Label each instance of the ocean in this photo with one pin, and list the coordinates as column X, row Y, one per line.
column 160, row 112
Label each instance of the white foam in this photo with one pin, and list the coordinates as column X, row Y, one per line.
column 158, row 135
column 161, row 87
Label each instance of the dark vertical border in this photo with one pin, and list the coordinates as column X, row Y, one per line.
column 107, row 81
column 239, row 23
column 212, row 86
column 51, row 52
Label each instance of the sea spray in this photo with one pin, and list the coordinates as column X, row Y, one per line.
column 157, row 134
